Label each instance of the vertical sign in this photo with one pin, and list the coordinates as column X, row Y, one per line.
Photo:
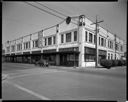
column 40, row 39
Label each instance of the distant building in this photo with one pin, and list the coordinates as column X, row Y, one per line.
column 66, row 45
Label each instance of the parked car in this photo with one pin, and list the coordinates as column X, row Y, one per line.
column 42, row 62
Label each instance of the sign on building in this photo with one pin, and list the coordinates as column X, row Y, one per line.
column 40, row 39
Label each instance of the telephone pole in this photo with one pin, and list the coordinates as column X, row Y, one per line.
column 96, row 33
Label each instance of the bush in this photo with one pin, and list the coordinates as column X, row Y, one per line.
column 120, row 62
column 115, row 62
column 106, row 63
column 123, row 62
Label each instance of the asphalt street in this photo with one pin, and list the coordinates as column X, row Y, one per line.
column 29, row 82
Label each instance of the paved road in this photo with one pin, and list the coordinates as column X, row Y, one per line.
column 27, row 82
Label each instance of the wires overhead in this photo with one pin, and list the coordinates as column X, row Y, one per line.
column 44, row 10
column 50, row 12
column 51, row 9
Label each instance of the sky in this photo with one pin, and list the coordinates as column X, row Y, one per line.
column 19, row 18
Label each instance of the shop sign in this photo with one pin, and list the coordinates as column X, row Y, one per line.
column 90, row 50
column 49, row 51
column 40, row 39
column 26, row 53
column 68, row 49
column 102, row 52
column 12, row 53
column 36, row 52
column 19, row 53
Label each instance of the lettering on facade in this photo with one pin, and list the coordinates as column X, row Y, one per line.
column 25, row 53
column 36, row 52
column 19, row 53
column 102, row 52
column 40, row 39
column 90, row 50
column 49, row 51
column 69, row 49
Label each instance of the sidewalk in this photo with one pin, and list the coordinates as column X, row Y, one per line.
column 114, row 71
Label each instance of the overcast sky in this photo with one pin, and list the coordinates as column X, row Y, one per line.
column 19, row 18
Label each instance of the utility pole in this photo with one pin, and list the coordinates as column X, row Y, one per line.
column 96, row 31
column 115, row 46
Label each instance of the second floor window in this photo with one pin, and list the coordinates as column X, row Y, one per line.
column 68, row 37
column 49, row 41
column 94, row 38
column 75, row 35
column 27, row 45
column 19, row 47
column 86, row 36
column 13, row 48
column 54, row 39
column 102, row 41
column 90, row 37
column 8, row 49
column 35, row 43
column 99, row 40
column 45, row 41
column 121, row 48
column 62, row 38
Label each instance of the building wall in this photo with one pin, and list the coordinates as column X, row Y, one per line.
column 64, row 28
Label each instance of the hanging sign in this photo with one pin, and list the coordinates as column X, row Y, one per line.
column 40, row 39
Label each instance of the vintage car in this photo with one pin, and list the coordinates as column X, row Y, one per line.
column 42, row 62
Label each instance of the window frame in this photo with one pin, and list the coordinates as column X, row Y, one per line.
column 68, row 38
column 90, row 37
column 75, row 35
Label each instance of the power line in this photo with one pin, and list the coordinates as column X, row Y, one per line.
column 48, row 12
column 44, row 10
column 52, row 9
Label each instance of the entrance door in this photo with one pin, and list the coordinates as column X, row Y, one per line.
column 63, row 59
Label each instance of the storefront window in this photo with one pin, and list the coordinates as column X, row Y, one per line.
column 68, row 37
column 90, row 54
column 89, row 58
column 108, row 56
column 111, row 56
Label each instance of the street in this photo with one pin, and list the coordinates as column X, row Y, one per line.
column 29, row 82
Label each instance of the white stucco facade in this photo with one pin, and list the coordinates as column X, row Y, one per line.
column 82, row 42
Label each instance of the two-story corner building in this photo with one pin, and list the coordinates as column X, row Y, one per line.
column 66, row 45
